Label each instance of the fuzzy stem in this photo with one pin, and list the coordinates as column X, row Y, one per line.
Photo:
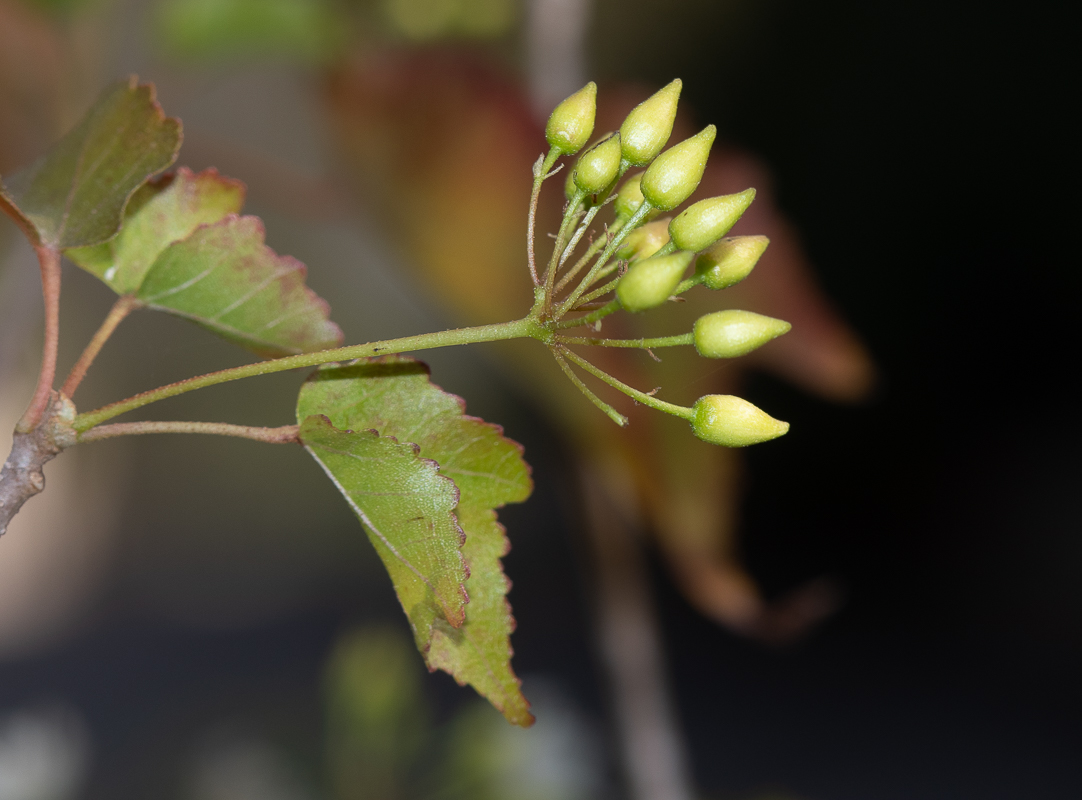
column 540, row 175
column 484, row 333
column 635, row 394
column 643, row 344
column 583, row 227
column 120, row 310
column 596, row 293
column 609, row 411
column 287, row 434
column 609, row 308
column 591, row 251
column 570, row 214
column 49, row 261
column 610, row 248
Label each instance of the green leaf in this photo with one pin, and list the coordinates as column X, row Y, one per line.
column 160, row 212
column 394, row 396
column 226, row 279
column 75, row 194
column 406, row 508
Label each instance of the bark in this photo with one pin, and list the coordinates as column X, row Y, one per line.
column 21, row 477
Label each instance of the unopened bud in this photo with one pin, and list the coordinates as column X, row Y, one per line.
column 730, row 261
column 703, row 223
column 676, row 173
column 728, row 334
column 570, row 189
column 598, row 166
column 572, row 121
column 629, row 198
column 649, row 125
column 732, row 422
column 645, row 241
column 650, row 282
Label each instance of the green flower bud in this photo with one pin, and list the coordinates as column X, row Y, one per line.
column 598, row 166
column 572, row 121
column 676, row 173
column 730, row 261
column 645, row 241
column 570, row 189
column 650, row 282
column 699, row 226
column 649, row 125
column 629, row 198
column 731, row 422
column 727, row 334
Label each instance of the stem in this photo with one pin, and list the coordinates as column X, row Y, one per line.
column 644, row 344
column 686, row 284
column 583, row 227
column 591, row 251
column 635, row 394
column 596, row 293
column 611, row 412
column 541, row 173
column 561, row 239
column 609, row 308
column 287, row 434
column 121, row 308
column 49, row 261
column 615, row 242
column 484, row 333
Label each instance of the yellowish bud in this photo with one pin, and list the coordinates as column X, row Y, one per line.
column 599, row 165
column 571, row 123
column 645, row 241
column 730, row 261
column 703, row 223
column 728, row 334
column 650, row 282
column 649, row 125
column 676, row 173
column 732, row 422
column 629, row 198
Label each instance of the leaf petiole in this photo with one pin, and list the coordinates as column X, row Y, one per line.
column 120, row 310
column 287, row 434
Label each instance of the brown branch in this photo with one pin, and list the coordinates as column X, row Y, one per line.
column 21, row 476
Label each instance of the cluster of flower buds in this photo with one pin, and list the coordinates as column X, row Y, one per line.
column 654, row 256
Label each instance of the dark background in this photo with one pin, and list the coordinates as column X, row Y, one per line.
column 925, row 153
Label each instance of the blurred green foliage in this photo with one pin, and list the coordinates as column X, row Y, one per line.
column 226, row 30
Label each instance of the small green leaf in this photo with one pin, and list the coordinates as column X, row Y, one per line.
column 394, row 396
column 75, row 194
column 160, row 212
column 226, row 279
column 406, row 508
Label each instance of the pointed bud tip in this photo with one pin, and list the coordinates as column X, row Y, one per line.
column 698, row 227
column 733, row 422
column 675, row 174
column 733, row 333
column 572, row 121
column 648, row 127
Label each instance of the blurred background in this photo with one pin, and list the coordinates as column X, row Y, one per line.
column 204, row 620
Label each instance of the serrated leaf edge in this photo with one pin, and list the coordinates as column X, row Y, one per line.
column 369, row 524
